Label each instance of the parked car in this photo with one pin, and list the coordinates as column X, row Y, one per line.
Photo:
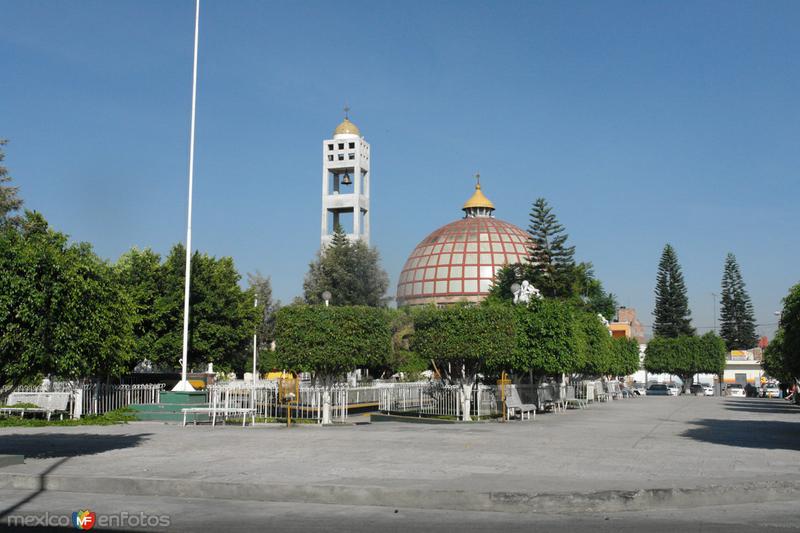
column 674, row 389
column 699, row 389
column 639, row 388
column 735, row 390
column 708, row 390
column 771, row 391
column 659, row 389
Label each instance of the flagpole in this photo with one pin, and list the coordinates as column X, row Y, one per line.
column 184, row 384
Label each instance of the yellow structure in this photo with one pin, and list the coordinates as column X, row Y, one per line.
column 346, row 128
column 620, row 329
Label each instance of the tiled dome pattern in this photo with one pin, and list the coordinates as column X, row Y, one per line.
column 459, row 261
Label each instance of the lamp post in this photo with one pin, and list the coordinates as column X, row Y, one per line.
column 714, row 296
column 255, row 357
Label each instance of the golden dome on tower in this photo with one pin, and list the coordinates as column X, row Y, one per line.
column 347, row 128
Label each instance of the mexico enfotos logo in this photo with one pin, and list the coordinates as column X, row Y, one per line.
column 85, row 520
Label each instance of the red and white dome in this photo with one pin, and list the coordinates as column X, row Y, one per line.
column 458, row 262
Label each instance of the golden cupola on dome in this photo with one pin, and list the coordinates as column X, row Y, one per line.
column 478, row 204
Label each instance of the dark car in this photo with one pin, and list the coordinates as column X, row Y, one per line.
column 697, row 389
column 658, row 389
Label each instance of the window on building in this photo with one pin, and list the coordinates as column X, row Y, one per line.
column 330, row 147
column 330, row 158
column 341, row 157
column 352, row 145
column 341, row 146
column 351, row 156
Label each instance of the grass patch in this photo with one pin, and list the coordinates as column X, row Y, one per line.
column 118, row 416
column 23, row 405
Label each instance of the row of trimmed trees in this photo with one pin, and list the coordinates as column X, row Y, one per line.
column 461, row 343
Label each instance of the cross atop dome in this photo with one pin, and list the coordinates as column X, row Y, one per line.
column 478, row 205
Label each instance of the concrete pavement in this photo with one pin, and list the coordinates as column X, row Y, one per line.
column 627, row 454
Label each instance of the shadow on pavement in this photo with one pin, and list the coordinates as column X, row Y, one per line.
column 48, row 445
column 765, row 434
column 762, row 406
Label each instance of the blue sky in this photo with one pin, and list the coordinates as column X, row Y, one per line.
column 641, row 123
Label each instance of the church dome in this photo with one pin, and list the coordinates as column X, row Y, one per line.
column 346, row 128
column 458, row 262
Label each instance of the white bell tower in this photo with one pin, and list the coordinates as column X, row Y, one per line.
column 345, row 183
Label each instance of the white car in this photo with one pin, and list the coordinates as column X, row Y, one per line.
column 673, row 389
column 736, row 390
column 772, row 391
column 708, row 390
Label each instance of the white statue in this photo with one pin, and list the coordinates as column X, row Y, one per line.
column 602, row 319
column 525, row 292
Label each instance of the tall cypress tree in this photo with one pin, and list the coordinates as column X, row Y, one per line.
column 672, row 315
column 552, row 261
column 737, row 324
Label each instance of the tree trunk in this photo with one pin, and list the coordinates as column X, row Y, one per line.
column 326, row 405
column 466, row 401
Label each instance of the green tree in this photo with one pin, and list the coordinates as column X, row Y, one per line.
column 221, row 315
column 686, row 356
column 737, row 324
column 61, row 311
column 547, row 342
column 790, row 332
column 550, row 259
column 331, row 341
column 9, row 199
column 625, row 354
column 552, row 269
column 597, row 357
column 262, row 287
column 774, row 363
column 138, row 272
column 350, row 271
column 464, row 342
column 672, row 315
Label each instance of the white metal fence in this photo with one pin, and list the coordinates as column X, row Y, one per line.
column 263, row 397
column 96, row 398
column 438, row 399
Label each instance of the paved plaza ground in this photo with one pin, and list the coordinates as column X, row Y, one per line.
column 706, row 449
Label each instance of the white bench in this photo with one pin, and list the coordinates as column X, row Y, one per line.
column 222, row 412
column 514, row 404
column 46, row 403
column 570, row 399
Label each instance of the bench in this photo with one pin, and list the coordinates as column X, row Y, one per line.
column 222, row 412
column 514, row 404
column 46, row 403
column 600, row 392
column 570, row 399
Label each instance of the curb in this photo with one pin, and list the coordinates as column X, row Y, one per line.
column 518, row 502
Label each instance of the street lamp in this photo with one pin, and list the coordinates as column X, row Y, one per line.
column 327, row 297
column 714, row 296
